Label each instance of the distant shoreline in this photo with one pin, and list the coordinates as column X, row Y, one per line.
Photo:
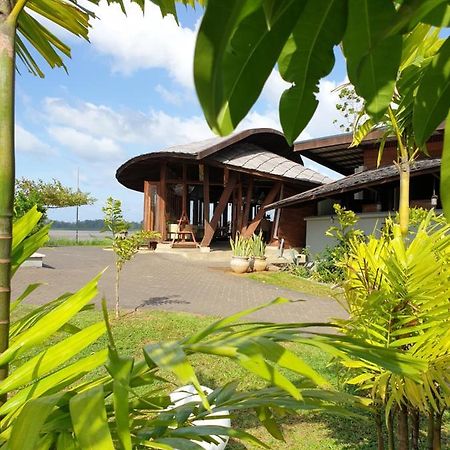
column 83, row 235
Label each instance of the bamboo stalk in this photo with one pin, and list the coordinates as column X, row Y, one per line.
column 7, row 175
column 430, row 430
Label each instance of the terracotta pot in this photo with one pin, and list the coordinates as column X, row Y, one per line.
column 260, row 264
column 239, row 264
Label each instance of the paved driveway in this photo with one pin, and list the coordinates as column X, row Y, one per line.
column 169, row 282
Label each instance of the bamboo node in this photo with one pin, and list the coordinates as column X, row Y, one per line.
column 5, row 261
column 5, row 289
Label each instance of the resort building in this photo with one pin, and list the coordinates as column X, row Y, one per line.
column 209, row 190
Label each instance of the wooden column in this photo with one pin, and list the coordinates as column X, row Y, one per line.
column 239, row 207
column 162, row 201
column 206, row 196
column 260, row 214
column 248, row 202
column 228, row 190
column 147, row 204
column 184, row 205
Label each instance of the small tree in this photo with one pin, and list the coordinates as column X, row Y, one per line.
column 124, row 246
column 46, row 195
column 113, row 218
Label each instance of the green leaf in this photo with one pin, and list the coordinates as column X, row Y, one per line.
column 225, row 322
column 307, row 57
column 27, row 427
column 170, row 356
column 372, row 62
column 432, row 102
column 28, row 290
column 51, row 358
column 120, row 369
column 439, row 16
column 445, row 170
column 55, row 382
column 50, row 323
column 235, row 54
column 89, row 419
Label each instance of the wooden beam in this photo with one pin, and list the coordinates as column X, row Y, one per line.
column 223, row 202
column 248, row 201
column 260, row 214
column 162, row 201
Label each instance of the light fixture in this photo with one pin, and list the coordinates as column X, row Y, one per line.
column 434, row 200
column 434, row 197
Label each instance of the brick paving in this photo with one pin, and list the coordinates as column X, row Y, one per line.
column 169, row 282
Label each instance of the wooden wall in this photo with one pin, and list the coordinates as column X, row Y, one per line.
column 292, row 225
column 390, row 154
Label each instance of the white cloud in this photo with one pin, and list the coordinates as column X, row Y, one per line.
column 144, row 41
column 27, row 142
column 86, row 146
column 321, row 123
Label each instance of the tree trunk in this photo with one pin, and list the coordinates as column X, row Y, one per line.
column 430, row 431
column 403, row 434
column 117, row 293
column 7, row 71
column 437, row 430
column 415, row 427
column 379, row 426
column 390, row 430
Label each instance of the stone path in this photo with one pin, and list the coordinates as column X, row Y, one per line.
column 169, row 282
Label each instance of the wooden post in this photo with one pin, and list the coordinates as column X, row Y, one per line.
column 162, row 201
column 147, row 226
column 184, row 206
column 206, row 195
column 223, row 201
column 260, row 214
column 248, row 202
column 239, row 207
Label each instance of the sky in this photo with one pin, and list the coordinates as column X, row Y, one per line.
column 128, row 91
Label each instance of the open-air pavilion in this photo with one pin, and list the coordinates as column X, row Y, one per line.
column 214, row 188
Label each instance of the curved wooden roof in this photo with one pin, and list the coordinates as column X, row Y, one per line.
column 262, row 150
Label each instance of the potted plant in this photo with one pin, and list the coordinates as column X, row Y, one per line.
column 259, row 252
column 240, row 260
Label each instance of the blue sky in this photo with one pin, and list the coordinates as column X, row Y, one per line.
column 129, row 91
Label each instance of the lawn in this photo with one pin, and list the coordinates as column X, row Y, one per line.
column 307, row 431
column 293, row 282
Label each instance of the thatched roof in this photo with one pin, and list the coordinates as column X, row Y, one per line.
column 357, row 182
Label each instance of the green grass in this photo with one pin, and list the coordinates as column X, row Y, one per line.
column 306, row 431
column 293, row 282
column 62, row 242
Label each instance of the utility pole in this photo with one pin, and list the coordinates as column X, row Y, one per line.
column 77, row 218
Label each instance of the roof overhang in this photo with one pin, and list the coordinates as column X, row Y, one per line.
column 335, row 153
column 133, row 172
column 357, row 182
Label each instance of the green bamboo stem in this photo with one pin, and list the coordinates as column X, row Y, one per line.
column 7, row 71
column 404, row 169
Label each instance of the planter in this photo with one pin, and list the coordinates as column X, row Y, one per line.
column 260, row 264
column 239, row 264
column 187, row 394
